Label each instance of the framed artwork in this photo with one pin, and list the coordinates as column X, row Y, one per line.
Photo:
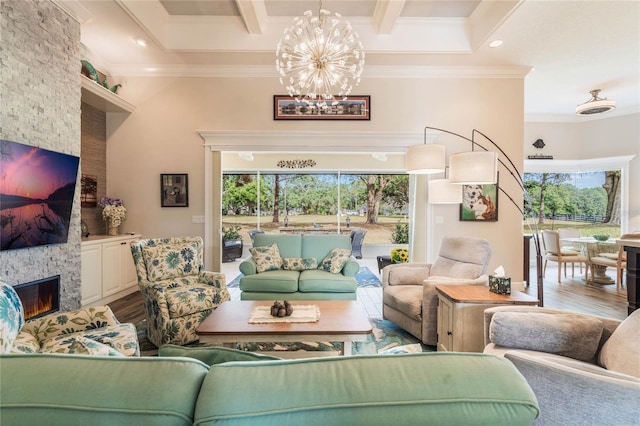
column 174, row 190
column 36, row 195
column 353, row 108
column 89, row 191
column 479, row 203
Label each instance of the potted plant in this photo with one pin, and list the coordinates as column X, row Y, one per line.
column 231, row 243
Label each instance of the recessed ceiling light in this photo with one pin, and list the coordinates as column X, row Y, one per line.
column 141, row 42
column 496, row 43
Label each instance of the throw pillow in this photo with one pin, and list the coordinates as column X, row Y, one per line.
column 169, row 261
column 267, row 258
column 335, row 260
column 621, row 352
column 299, row 264
column 571, row 335
column 212, row 355
column 81, row 345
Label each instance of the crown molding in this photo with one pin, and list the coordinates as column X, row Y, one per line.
column 75, row 10
column 258, row 71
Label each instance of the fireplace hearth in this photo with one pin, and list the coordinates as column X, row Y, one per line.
column 39, row 297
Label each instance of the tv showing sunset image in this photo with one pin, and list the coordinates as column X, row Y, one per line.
column 36, row 195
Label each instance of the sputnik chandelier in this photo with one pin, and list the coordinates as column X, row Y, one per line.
column 320, row 59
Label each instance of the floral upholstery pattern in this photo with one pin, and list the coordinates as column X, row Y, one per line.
column 80, row 345
column 170, row 261
column 267, row 258
column 85, row 331
column 299, row 264
column 11, row 317
column 175, row 306
column 335, row 260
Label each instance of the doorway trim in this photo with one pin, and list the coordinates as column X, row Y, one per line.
column 217, row 141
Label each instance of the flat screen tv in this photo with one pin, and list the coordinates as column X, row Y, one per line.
column 36, row 195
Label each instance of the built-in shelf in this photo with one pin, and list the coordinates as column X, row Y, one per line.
column 103, row 98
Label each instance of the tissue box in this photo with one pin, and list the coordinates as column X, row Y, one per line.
column 499, row 285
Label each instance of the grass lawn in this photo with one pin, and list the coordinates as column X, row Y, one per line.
column 376, row 234
column 381, row 232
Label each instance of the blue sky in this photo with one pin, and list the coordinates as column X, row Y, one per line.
column 588, row 180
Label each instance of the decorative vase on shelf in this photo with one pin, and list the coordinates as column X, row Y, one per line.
column 112, row 229
column 113, row 212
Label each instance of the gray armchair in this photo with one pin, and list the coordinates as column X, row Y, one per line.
column 584, row 369
column 409, row 296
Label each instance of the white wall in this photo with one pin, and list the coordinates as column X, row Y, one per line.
column 160, row 137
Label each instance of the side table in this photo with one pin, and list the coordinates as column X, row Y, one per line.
column 461, row 314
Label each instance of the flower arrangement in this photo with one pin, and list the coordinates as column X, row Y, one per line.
column 400, row 255
column 113, row 210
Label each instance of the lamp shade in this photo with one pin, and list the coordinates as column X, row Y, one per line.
column 425, row 159
column 475, row 167
column 442, row 191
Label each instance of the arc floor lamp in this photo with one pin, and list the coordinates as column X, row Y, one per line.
column 473, row 167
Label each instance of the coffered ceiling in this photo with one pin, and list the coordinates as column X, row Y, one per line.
column 565, row 48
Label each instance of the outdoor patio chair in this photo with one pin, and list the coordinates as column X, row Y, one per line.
column 357, row 238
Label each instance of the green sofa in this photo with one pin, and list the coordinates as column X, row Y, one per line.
column 415, row 389
column 310, row 284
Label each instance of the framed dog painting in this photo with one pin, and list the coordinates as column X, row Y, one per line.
column 479, row 203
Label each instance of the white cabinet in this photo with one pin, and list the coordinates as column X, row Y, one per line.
column 91, row 275
column 108, row 272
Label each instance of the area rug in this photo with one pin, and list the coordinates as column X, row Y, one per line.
column 386, row 338
column 364, row 278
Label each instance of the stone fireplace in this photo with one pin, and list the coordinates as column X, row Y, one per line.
column 39, row 297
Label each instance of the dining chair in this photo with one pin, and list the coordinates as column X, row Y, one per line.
column 616, row 260
column 568, row 249
column 553, row 252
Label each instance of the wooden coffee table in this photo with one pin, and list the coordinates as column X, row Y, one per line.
column 340, row 320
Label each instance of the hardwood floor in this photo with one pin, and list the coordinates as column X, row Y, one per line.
column 572, row 294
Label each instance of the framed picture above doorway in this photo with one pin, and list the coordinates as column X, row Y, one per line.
column 174, row 190
column 352, row 108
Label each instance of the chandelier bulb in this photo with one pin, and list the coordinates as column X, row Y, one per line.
column 319, row 62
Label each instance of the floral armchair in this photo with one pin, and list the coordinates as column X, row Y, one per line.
column 91, row 331
column 178, row 295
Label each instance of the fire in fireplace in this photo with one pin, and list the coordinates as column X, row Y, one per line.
column 39, row 297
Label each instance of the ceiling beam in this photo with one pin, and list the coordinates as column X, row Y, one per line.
column 386, row 14
column 488, row 17
column 254, row 14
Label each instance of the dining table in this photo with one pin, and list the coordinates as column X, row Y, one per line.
column 590, row 247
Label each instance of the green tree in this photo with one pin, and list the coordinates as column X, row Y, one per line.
column 612, row 189
column 544, row 181
column 396, row 193
column 375, row 187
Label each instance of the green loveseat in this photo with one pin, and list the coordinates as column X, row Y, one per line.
column 416, row 389
column 309, row 284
